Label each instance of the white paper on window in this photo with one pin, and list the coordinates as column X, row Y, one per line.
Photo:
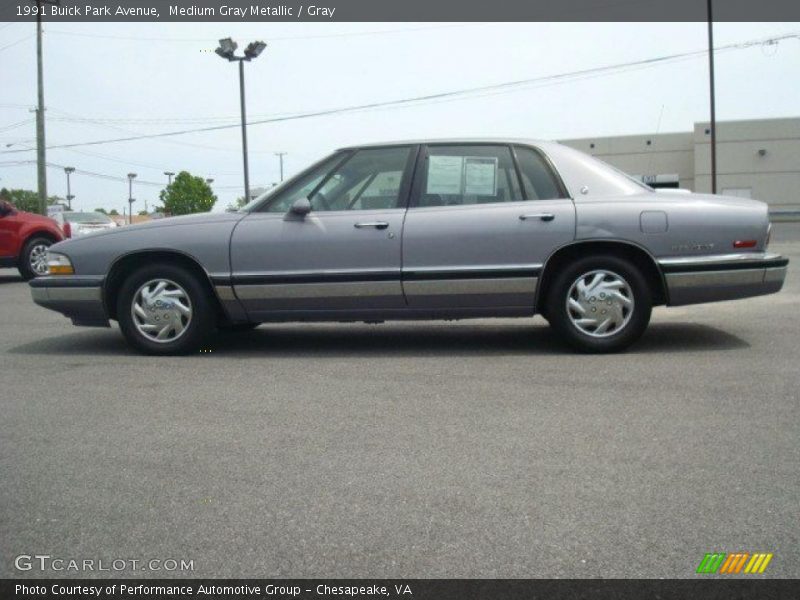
column 445, row 175
column 480, row 176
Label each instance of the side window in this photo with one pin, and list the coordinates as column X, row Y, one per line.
column 459, row 175
column 370, row 179
column 537, row 178
column 302, row 187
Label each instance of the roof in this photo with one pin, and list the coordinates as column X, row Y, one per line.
column 467, row 140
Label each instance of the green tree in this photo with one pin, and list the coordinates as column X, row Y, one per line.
column 234, row 206
column 26, row 200
column 101, row 210
column 113, row 212
column 142, row 213
column 187, row 194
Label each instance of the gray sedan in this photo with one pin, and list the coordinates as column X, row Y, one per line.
column 423, row 230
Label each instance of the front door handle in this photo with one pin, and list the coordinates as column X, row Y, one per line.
column 540, row 216
column 375, row 224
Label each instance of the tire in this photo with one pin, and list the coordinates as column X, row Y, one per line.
column 30, row 253
column 600, row 304
column 163, row 293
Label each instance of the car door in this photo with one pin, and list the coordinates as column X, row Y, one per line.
column 482, row 221
column 344, row 255
column 9, row 228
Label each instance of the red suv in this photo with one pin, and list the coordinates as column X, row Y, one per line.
column 24, row 239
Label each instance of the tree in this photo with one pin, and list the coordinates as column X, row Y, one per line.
column 142, row 213
column 234, row 206
column 187, row 194
column 113, row 212
column 25, row 200
column 101, row 210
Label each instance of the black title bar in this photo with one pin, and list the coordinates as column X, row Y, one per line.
column 400, row 10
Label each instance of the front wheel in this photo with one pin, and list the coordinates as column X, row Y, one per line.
column 33, row 258
column 600, row 304
column 164, row 309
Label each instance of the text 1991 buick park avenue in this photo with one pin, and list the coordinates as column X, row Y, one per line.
column 423, row 230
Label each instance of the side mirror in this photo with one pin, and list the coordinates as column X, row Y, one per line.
column 301, row 207
column 5, row 209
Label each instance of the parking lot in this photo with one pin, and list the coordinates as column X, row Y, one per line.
column 463, row 449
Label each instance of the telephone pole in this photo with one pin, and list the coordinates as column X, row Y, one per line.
column 713, row 125
column 41, row 159
column 280, row 156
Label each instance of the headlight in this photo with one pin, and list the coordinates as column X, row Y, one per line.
column 59, row 264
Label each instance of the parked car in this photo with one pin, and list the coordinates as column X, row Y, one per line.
column 423, row 230
column 24, row 240
column 76, row 224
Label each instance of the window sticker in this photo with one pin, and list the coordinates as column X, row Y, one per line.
column 480, row 176
column 445, row 175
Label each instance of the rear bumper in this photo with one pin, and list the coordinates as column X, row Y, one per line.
column 77, row 298
column 693, row 280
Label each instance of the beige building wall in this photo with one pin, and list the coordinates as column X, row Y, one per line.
column 757, row 158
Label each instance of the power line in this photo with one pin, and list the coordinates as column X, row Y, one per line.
column 271, row 39
column 15, row 43
column 503, row 87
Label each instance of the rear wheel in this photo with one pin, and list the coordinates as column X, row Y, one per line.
column 33, row 259
column 600, row 304
column 164, row 309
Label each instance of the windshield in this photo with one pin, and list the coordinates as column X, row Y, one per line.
column 86, row 217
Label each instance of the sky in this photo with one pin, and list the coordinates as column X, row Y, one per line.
column 112, row 80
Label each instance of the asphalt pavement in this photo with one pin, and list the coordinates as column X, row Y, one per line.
column 459, row 449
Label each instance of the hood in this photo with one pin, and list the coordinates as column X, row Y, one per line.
column 36, row 218
column 184, row 220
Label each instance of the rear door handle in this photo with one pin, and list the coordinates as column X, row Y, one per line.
column 540, row 216
column 375, row 224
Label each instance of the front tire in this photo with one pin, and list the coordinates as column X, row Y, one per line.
column 163, row 310
column 33, row 258
column 600, row 304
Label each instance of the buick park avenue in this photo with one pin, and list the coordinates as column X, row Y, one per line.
column 423, row 230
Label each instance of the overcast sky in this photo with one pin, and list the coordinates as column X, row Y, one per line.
column 113, row 80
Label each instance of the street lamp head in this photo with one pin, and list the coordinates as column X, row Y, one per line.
column 131, row 175
column 69, row 170
column 226, row 48
column 254, row 49
column 169, row 173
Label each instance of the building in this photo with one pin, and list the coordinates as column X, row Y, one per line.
column 755, row 159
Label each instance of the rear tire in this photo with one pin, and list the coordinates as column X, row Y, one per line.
column 33, row 258
column 164, row 309
column 600, row 304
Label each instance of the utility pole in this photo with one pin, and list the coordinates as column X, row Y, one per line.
column 69, row 171
column 41, row 159
column 131, row 177
column 169, row 174
column 280, row 156
column 713, row 126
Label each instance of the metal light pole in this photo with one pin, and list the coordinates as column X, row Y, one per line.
column 227, row 48
column 131, row 177
column 69, row 171
column 280, row 156
column 41, row 159
column 169, row 174
column 713, row 126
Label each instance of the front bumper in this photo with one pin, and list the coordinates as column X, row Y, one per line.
column 697, row 279
column 79, row 298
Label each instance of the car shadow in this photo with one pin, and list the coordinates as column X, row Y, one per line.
column 396, row 339
column 10, row 278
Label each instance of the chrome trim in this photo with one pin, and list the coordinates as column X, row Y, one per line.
column 777, row 274
column 438, row 287
column 718, row 258
column 68, row 294
column 318, row 290
column 448, row 269
column 225, row 292
column 542, row 216
column 678, row 281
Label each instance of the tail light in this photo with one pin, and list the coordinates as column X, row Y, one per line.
column 745, row 243
column 67, row 229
